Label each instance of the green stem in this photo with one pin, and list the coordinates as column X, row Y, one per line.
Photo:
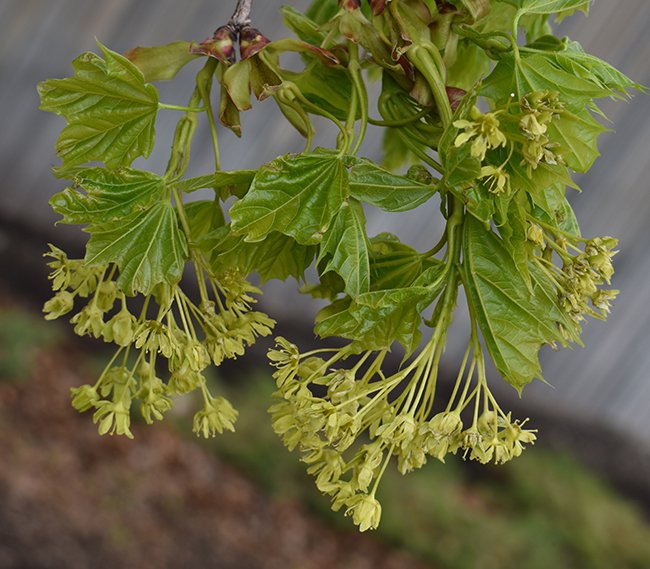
column 182, row 108
column 357, row 80
column 204, row 81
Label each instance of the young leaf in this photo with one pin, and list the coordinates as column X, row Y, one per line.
column 161, row 62
column 295, row 195
column 375, row 320
column 577, row 137
column 109, row 109
column 233, row 183
column 393, row 264
column 540, row 72
column 375, row 186
column 515, row 321
column 277, row 257
column 552, row 6
column 107, row 194
column 148, row 247
column 305, row 28
column 345, row 249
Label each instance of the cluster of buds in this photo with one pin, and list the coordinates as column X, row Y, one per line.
column 170, row 326
column 539, row 109
column 583, row 274
column 221, row 45
column 394, row 412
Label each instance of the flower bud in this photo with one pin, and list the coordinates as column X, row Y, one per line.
column 61, row 303
column 251, row 41
column 220, row 46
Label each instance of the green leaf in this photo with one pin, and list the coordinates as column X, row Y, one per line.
column 345, row 249
column 577, row 136
column 295, row 195
column 100, row 195
column 148, row 247
column 232, row 183
column 109, row 109
column 574, row 60
column 553, row 208
column 329, row 88
column 515, row 320
column 375, row 320
column 551, row 6
column 305, row 28
column 203, row 216
column 393, row 264
column 540, row 72
column 277, row 257
column 375, row 186
column 161, row 62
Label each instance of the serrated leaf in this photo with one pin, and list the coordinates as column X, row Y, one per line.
column 551, row 6
column 345, row 249
column 277, row 257
column 109, row 109
column 577, row 136
column 161, row 62
column 375, row 186
column 100, row 195
column 574, row 60
column 539, row 72
column 393, row 264
column 148, row 247
column 515, row 320
column 375, row 320
column 295, row 195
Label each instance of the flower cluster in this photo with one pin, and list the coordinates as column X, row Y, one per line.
column 584, row 272
column 326, row 412
column 170, row 327
column 539, row 109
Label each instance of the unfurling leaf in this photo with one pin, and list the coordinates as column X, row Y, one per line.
column 109, row 109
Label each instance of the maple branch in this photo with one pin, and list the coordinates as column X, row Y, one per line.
column 241, row 15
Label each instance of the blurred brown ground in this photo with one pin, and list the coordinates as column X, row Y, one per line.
column 72, row 500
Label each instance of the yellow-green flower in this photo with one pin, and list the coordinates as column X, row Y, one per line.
column 483, row 129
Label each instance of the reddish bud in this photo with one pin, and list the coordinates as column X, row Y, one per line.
column 455, row 96
column 378, row 6
column 445, row 7
column 251, row 41
column 221, row 45
column 350, row 4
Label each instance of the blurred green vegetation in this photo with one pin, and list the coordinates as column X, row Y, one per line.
column 21, row 335
column 541, row 511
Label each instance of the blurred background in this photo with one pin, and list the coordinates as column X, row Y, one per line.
column 68, row 499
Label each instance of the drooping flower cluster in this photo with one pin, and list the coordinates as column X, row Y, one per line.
column 583, row 274
column 169, row 327
column 539, row 109
column 326, row 412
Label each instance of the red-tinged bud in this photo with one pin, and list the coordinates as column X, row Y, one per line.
column 378, row 6
column 350, row 4
column 455, row 96
column 407, row 67
column 445, row 7
column 221, row 45
column 251, row 41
